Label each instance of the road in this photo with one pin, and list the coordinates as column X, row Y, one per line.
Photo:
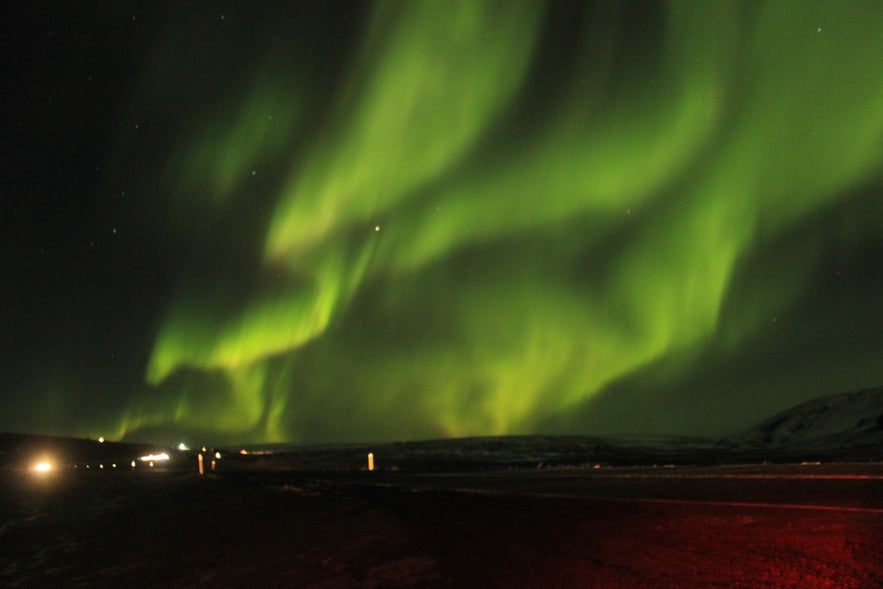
column 836, row 486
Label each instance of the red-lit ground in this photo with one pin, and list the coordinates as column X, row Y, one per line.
column 812, row 526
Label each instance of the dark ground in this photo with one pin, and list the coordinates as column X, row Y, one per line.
column 771, row 526
column 532, row 512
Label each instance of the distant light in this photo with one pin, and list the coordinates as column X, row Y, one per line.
column 133, row 464
column 183, row 447
column 100, row 439
column 152, row 457
column 377, row 228
column 218, row 455
column 43, row 467
column 243, row 451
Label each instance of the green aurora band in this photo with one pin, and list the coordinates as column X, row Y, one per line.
column 480, row 230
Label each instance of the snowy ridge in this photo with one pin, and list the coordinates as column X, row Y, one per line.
column 846, row 420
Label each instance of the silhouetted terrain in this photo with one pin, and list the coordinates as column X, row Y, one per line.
column 847, row 426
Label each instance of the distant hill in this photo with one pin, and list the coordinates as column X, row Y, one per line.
column 843, row 425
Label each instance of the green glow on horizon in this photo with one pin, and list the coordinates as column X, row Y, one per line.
column 518, row 269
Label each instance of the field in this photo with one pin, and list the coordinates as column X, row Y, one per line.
column 270, row 522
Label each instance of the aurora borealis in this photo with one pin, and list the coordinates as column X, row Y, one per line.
column 402, row 220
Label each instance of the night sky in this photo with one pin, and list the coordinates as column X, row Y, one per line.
column 341, row 221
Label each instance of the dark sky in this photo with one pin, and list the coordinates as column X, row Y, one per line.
column 399, row 220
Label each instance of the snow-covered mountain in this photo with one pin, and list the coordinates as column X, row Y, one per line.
column 836, row 422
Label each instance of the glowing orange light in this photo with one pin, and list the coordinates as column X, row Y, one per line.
column 43, row 467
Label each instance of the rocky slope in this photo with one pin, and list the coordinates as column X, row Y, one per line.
column 848, row 424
